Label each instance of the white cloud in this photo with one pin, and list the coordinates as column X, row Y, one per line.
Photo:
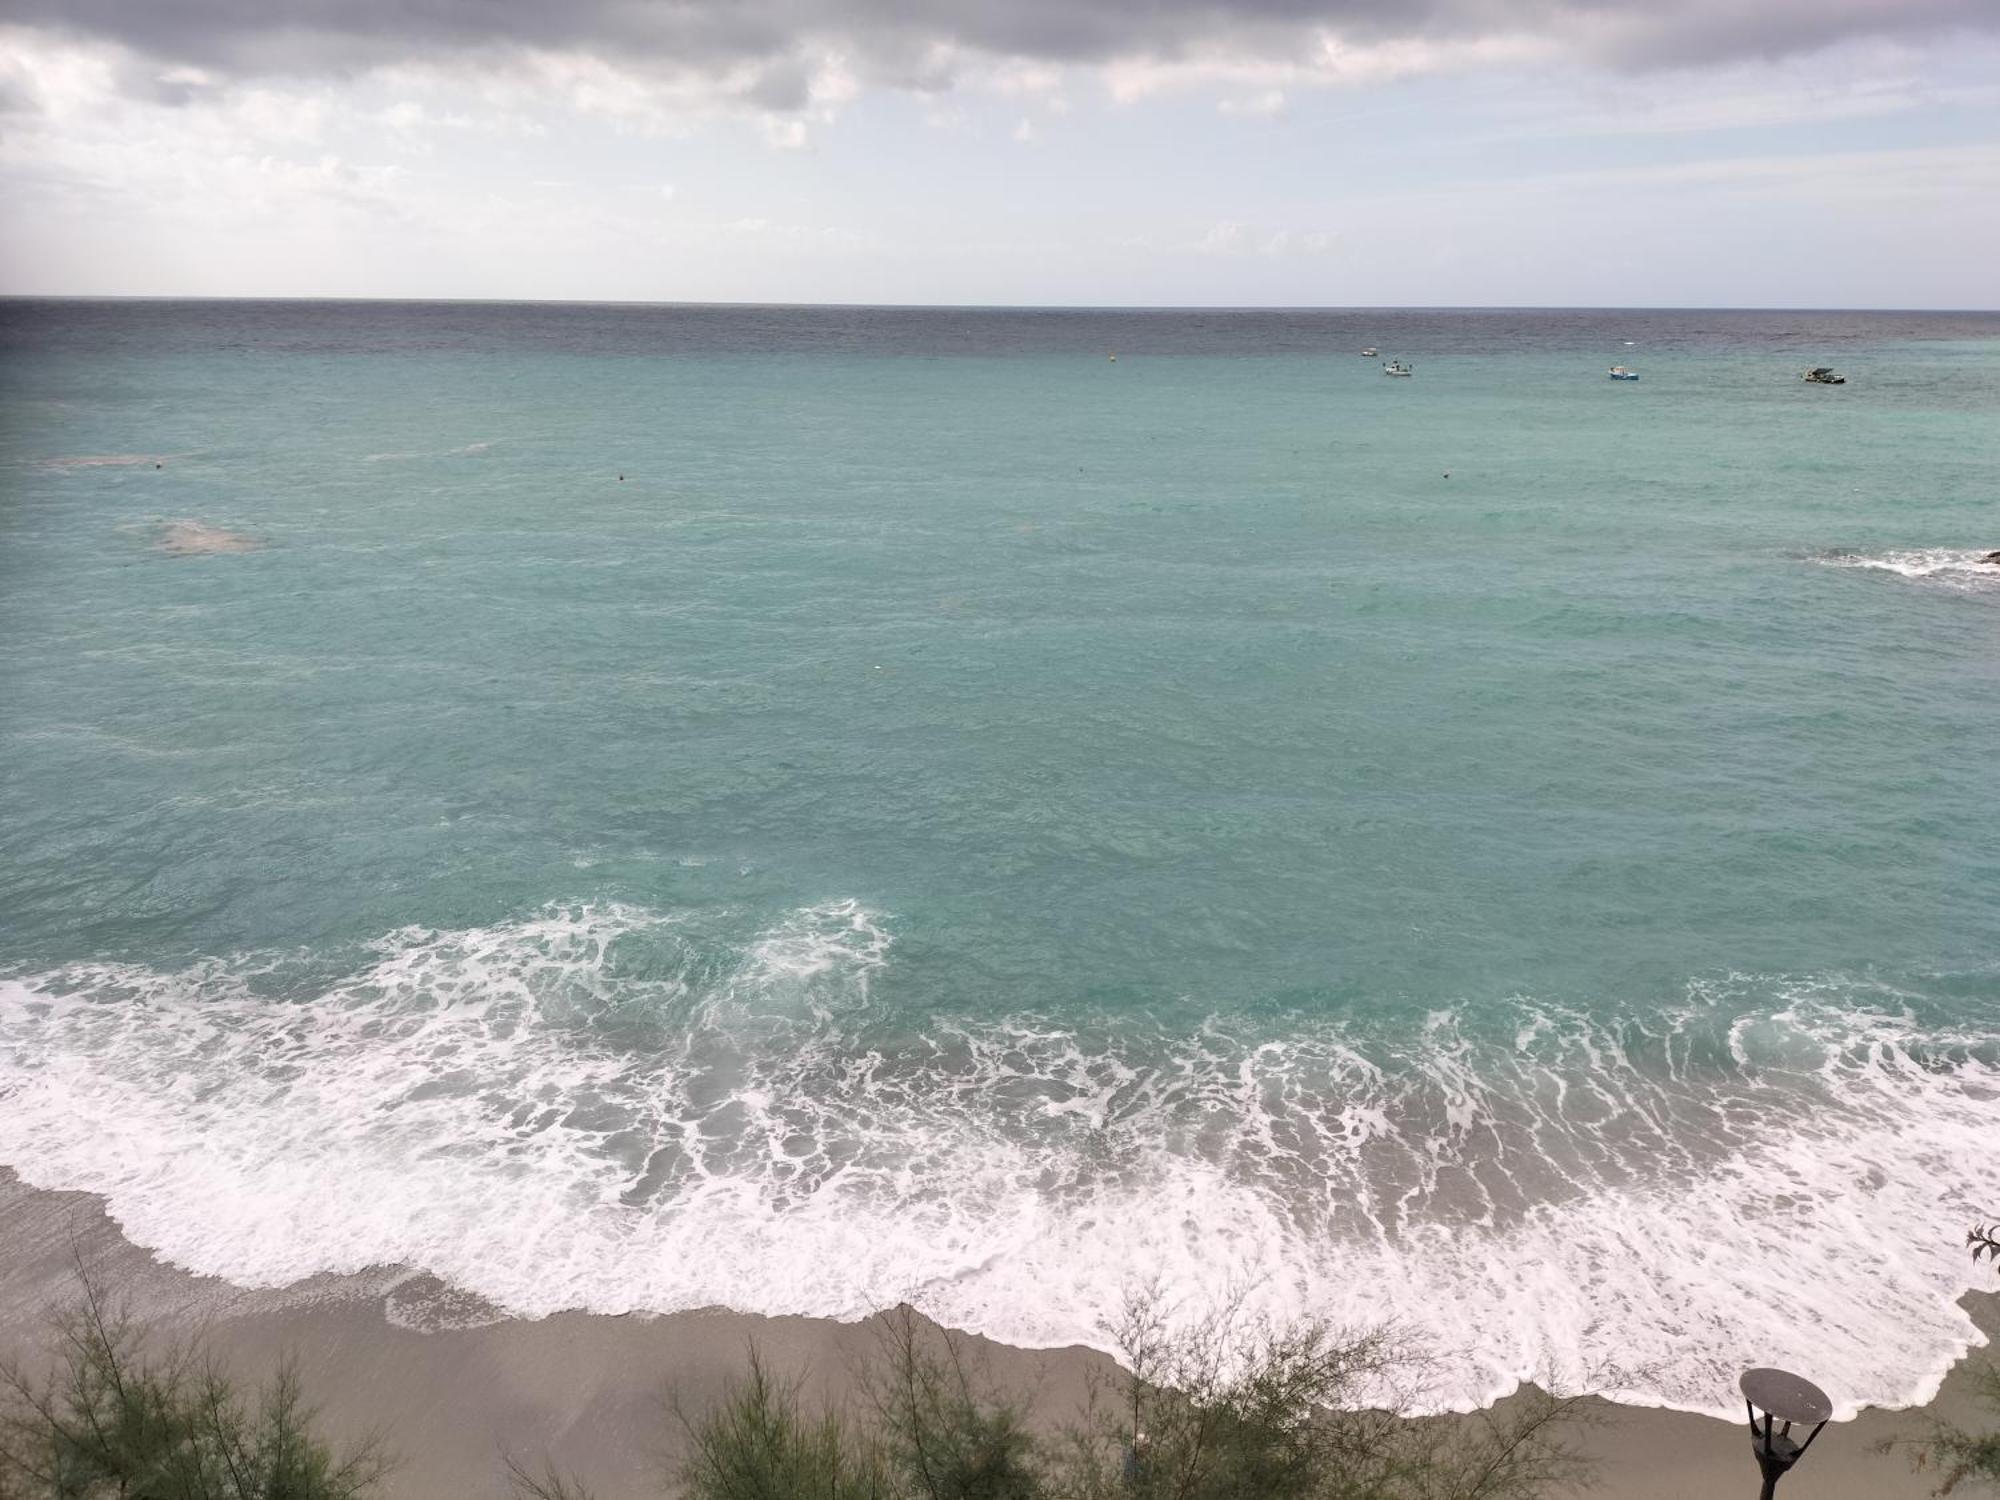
column 1326, row 62
column 1013, row 79
column 410, row 119
column 242, row 155
column 785, row 134
column 1269, row 104
column 1859, row 81
column 655, row 100
column 546, row 174
column 1231, row 237
column 1225, row 237
column 775, row 236
column 1968, row 174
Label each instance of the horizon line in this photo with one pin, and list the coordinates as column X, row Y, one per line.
column 1063, row 307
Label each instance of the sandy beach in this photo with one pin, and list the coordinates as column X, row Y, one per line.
column 453, row 1387
column 747, row 757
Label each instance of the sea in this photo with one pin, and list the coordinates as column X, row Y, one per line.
column 637, row 808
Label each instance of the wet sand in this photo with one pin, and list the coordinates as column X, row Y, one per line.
column 453, row 1387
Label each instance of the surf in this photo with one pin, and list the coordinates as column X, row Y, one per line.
column 620, row 1109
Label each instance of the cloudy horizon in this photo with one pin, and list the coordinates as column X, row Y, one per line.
column 1844, row 153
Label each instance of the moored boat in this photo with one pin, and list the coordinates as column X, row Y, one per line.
column 1619, row 372
column 1397, row 367
column 1824, row 375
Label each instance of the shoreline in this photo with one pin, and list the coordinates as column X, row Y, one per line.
column 454, row 1386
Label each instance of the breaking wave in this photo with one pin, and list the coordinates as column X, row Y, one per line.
column 616, row 1109
column 1955, row 567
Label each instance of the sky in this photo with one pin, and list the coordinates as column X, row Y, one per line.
column 1714, row 153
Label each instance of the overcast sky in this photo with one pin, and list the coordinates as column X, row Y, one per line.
column 1820, row 153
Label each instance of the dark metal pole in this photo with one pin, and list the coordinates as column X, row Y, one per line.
column 1776, row 1452
column 1777, row 1395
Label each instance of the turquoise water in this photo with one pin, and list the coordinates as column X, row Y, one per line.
column 966, row 819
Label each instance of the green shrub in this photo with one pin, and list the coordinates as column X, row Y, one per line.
column 758, row 1445
column 1226, row 1408
column 1958, row 1455
column 109, row 1419
column 1230, row 1407
column 1221, row 1408
column 946, row 1436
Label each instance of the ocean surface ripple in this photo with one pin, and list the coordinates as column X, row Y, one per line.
column 799, row 808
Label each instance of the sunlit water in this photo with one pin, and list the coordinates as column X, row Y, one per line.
column 969, row 820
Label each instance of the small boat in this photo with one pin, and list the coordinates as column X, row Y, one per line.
column 1619, row 372
column 1370, row 353
column 1822, row 375
column 1397, row 367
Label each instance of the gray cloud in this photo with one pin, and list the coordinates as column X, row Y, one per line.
column 908, row 43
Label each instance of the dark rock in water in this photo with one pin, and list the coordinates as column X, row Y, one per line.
column 1991, row 559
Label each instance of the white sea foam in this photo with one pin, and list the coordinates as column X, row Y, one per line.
column 614, row 1109
column 1953, row 567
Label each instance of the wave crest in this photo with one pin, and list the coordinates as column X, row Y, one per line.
column 611, row 1108
column 1955, row 567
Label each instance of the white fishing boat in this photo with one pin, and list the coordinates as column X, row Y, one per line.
column 1397, row 367
column 1619, row 372
column 1822, row 375
column 1370, row 353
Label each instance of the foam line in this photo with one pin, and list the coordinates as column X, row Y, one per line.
column 1954, row 567
column 623, row 1110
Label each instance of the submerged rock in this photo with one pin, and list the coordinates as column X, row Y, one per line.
column 193, row 539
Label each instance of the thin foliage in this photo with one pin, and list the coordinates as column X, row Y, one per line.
column 1224, row 1407
column 1229, row 1407
column 1218, row 1408
column 759, row 1444
column 109, row 1417
column 547, row 1483
column 945, row 1434
column 1957, row 1454
column 1984, row 1240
